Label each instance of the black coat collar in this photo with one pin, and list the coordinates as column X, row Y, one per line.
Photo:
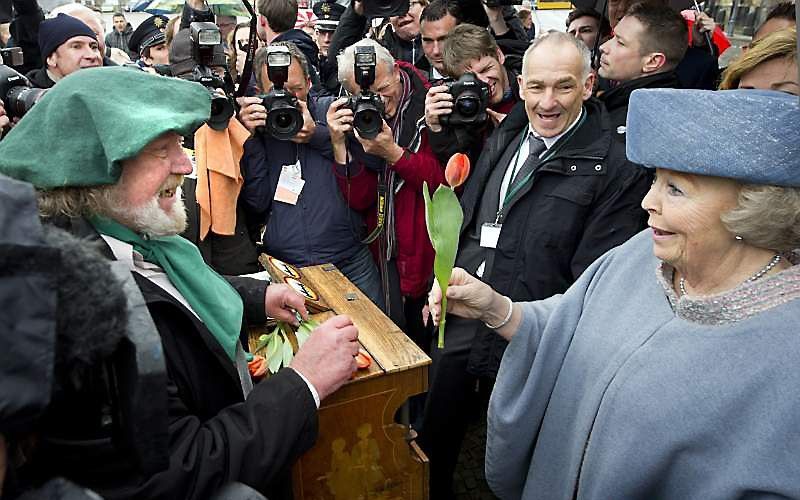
column 618, row 96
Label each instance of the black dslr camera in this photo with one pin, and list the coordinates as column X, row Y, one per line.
column 15, row 90
column 367, row 106
column 470, row 98
column 205, row 38
column 284, row 119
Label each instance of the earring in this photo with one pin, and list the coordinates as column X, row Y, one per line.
column 738, row 238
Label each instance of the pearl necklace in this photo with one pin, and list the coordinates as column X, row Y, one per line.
column 772, row 263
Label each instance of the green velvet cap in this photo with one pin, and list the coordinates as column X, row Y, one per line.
column 82, row 128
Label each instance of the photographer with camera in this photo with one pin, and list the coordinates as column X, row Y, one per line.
column 289, row 186
column 380, row 119
column 458, row 115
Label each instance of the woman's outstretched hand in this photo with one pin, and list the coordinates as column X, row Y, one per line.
column 467, row 296
column 471, row 298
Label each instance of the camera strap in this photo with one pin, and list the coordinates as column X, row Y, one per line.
column 247, row 70
column 383, row 200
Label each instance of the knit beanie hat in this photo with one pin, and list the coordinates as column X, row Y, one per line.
column 53, row 32
column 73, row 137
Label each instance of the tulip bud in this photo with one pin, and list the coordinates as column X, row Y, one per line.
column 457, row 170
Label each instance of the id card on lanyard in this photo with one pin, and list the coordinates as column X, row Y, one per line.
column 290, row 184
column 490, row 231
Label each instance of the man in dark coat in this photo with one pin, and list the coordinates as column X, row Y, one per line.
column 120, row 35
column 123, row 194
column 648, row 43
column 551, row 192
column 67, row 45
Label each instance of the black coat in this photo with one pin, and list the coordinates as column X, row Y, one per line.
column 228, row 254
column 215, row 435
column 580, row 203
column 40, row 79
column 616, row 99
column 699, row 69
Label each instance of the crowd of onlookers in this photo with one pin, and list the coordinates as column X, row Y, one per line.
column 334, row 172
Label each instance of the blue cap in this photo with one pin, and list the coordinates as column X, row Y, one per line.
column 752, row 136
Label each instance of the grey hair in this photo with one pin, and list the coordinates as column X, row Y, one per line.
column 80, row 12
column 78, row 201
column 559, row 37
column 766, row 217
column 346, row 59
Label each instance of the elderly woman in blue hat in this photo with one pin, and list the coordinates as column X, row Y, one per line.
column 669, row 369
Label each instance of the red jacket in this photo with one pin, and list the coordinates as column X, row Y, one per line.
column 419, row 164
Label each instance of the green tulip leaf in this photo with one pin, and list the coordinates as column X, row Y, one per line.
column 275, row 353
column 443, row 216
column 288, row 353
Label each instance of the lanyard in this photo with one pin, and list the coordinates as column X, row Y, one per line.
column 549, row 154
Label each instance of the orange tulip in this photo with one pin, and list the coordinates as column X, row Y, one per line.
column 457, row 170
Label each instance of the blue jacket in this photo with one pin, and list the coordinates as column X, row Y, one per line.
column 320, row 228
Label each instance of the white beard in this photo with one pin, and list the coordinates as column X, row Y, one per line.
column 150, row 219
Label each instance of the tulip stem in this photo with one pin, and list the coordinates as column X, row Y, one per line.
column 442, row 321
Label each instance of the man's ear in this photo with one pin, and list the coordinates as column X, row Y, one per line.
column 521, row 87
column 653, row 62
column 262, row 21
column 588, row 86
column 500, row 56
column 51, row 60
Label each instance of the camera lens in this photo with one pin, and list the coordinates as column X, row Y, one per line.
column 468, row 106
column 21, row 99
column 221, row 112
column 283, row 120
column 368, row 122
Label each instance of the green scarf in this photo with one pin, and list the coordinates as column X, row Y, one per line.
column 210, row 295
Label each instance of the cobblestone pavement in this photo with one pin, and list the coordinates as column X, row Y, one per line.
column 469, row 480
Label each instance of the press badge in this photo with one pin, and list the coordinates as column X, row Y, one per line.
column 290, row 184
column 490, row 233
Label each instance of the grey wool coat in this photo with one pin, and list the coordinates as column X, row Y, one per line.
column 618, row 389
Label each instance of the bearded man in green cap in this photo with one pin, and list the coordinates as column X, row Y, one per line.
column 120, row 187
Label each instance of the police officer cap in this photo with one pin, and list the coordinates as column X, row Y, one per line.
column 328, row 14
column 149, row 34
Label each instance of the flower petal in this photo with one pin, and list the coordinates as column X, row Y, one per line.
column 457, row 170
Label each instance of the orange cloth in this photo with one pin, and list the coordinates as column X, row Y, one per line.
column 219, row 179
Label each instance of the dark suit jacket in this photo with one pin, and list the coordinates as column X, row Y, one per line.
column 215, row 435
